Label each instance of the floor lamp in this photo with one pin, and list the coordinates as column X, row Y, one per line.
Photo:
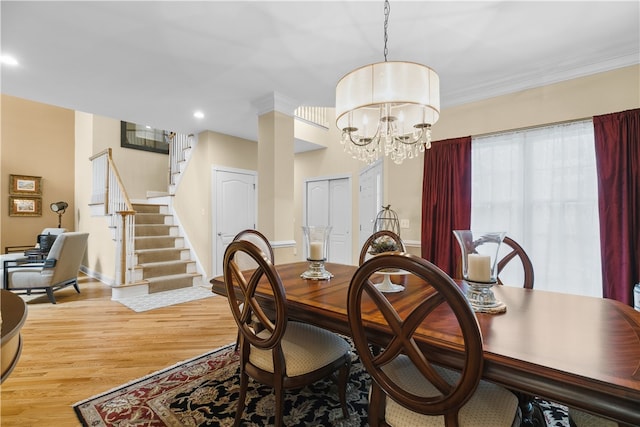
column 59, row 208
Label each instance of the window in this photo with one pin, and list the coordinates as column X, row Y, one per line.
column 144, row 138
column 539, row 185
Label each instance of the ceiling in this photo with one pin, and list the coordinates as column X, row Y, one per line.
column 156, row 62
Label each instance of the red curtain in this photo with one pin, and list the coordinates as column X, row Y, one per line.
column 446, row 200
column 617, row 141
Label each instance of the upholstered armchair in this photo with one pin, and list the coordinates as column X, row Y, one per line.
column 37, row 245
column 58, row 270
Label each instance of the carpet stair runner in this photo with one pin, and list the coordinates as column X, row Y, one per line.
column 162, row 262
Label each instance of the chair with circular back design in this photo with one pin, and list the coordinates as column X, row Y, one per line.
column 276, row 352
column 519, row 252
column 365, row 252
column 407, row 387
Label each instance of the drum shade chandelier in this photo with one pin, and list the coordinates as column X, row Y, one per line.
column 387, row 108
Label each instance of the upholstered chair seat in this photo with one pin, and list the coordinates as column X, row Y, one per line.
column 490, row 405
column 59, row 269
column 307, row 347
column 583, row 419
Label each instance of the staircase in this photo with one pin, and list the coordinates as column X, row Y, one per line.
column 161, row 260
column 152, row 256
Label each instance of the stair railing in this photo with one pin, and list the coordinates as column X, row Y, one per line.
column 178, row 145
column 108, row 190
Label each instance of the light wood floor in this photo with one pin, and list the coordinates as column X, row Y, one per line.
column 87, row 344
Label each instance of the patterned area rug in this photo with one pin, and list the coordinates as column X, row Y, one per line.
column 164, row 299
column 203, row 392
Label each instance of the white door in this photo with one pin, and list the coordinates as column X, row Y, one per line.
column 328, row 202
column 317, row 203
column 340, row 220
column 234, row 206
column 370, row 199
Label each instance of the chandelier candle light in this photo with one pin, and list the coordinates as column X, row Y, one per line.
column 480, row 268
column 316, row 239
column 387, row 108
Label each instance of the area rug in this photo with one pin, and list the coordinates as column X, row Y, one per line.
column 203, row 392
column 164, row 299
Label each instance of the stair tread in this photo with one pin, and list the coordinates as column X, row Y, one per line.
column 159, row 263
column 149, row 250
column 171, row 277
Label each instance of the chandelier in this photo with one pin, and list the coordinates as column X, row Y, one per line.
column 387, row 108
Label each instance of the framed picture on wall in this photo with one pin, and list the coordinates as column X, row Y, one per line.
column 25, row 185
column 25, row 206
column 144, row 138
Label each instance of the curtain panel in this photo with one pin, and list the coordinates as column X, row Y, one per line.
column 446, row 201
column 617, row 142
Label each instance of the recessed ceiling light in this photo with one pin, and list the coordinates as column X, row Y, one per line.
column 8, row 60
column 198, row 115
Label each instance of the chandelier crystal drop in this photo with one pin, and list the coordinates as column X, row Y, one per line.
column 387, row 108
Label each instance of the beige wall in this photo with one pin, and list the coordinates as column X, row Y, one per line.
column 193, row 202
column 329, row 162
column 29, row 128
column 56, row 143
column 36, row 140
column 140, row 170
column 100, row 258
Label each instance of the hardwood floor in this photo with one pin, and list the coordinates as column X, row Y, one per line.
column 87, row 344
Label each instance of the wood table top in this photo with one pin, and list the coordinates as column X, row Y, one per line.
column 14, row 314
column 582, row 351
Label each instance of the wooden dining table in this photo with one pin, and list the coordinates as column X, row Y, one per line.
column 580, row 351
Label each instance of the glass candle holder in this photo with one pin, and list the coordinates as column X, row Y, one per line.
column 480, row 266
column 316, row 242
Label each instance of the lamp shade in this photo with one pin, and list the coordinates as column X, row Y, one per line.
column 59, row 206
column 409, row 93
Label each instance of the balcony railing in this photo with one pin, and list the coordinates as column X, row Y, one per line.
column 314, row 115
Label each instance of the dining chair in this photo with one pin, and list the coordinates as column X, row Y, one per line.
column 515, row 250
column 408, row 388
column 257, row 238
column 380, row 241
column 277, row 352
column 583, row 419
column 244, row 261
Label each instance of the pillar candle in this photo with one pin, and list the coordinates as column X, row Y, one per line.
column 479, row 268
column 315, row 251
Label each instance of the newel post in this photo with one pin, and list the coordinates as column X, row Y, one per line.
column 124, row 239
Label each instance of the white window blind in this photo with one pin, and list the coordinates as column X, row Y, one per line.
column 539, row 185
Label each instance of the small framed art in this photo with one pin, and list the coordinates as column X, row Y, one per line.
column 25, row 206
column 23, row 185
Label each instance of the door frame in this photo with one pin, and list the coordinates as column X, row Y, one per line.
column 214, row 198
column 362, row 236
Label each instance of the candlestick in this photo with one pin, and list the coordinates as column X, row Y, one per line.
column 315, row 251
column 315, row 242
column 479, row 268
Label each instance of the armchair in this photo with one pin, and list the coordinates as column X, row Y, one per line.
column 45, row 232
column 59, row 269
